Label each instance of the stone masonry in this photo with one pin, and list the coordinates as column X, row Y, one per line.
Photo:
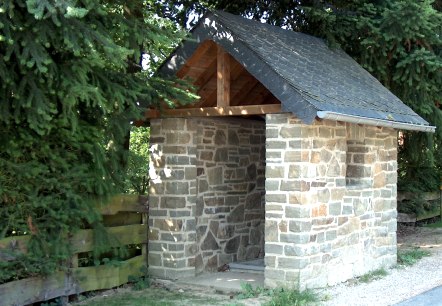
column 330, row 201
column 172, row 198
column 230, row 192
column 206, row 194
column 328, row 194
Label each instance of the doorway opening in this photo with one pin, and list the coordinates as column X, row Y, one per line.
column 230, row 192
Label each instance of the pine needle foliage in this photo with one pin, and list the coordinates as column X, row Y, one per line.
column 69, row 86
column 400, row 43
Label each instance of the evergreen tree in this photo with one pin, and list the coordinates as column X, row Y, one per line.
column 400, row 43
column 70, row 81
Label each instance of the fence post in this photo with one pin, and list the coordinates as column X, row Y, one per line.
column 440, row 202
column 144, row 200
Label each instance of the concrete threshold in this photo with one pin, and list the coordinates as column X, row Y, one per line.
column 229, row 281
column 254, row 265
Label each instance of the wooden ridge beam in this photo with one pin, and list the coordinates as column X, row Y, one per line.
column 216, row 111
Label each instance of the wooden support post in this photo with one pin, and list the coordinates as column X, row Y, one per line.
column 223, row 78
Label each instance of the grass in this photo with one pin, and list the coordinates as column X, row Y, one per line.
column 279, row 296
column 284, row 297
column 371, row 276
column 410, row 257
column 434, row 225
column 163, row 297
column 166, row 297
column 149, row 297
column 248, row 291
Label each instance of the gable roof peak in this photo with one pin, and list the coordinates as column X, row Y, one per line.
column 307, row 76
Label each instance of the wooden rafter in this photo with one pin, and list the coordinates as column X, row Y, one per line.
column 269, row 98
column 207, row 91
column 248, row 83
column 257, row 95
column 236, row 69
column 206, row 83
column 208, row 74
column 196, row 57
column 226, row 88
column 210, row 99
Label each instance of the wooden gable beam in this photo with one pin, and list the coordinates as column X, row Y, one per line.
column 216, row 111
column 223, row 78
column 215, row 88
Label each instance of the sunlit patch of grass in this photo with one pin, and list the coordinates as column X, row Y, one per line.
column 410, row 257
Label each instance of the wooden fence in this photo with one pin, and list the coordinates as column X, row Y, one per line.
column 125, row 217
column 426, row 196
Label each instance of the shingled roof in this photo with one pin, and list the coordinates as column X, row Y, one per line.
column 308, row 77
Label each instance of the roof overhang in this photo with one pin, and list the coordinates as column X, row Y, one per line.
column 375, row 122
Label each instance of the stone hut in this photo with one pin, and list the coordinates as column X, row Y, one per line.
column 290, row 155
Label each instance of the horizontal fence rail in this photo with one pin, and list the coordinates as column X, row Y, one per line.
column 125, row 217
column 427, row 197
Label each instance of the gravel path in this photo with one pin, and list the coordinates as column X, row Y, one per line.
column 401, row 283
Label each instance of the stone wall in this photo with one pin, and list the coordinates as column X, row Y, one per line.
column 330, row 198
column 206, row 194
column 330, row 201
column 172, row 198
column 230, row 191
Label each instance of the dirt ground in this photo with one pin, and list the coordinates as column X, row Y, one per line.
column 416, row 236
